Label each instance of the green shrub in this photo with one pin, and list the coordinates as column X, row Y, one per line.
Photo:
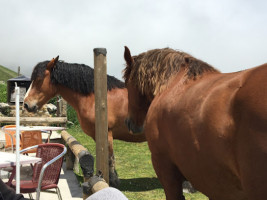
column 3, row 93
column 72, row 116
column 53, row 101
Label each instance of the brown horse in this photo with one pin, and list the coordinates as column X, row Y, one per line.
column 200, row 124
column 75, row 83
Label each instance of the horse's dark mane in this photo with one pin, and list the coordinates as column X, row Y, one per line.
column 151, row 70
column 78, row 77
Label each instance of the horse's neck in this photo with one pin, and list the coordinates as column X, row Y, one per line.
column 160, row 86
column 75, row 99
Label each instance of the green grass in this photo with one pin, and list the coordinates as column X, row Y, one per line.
column 133, row 164
column 6, row 73
column 3, row 93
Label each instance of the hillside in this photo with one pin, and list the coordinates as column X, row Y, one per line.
column 6, row 73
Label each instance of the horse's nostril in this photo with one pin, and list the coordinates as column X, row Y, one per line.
column 133, row 129
column 26, row 106
column 127, row 122
column 34, row 108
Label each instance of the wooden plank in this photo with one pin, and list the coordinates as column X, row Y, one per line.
column 49, row 120
column 86, row 160
column 101, row 122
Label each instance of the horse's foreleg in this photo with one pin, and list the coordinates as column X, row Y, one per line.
column 169, row 176
column 113, row 176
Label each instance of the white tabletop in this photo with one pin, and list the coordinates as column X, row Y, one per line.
column 37, row 128
column 9, row 159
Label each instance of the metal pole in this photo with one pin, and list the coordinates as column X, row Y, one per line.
column 17, row 91
column 101, row 122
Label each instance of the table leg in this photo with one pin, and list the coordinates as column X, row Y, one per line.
column 48, row 138
column 13, row 173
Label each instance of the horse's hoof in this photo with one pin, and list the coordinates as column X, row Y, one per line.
column 114, row 181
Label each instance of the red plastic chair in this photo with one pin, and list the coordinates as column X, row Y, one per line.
column 46, row 173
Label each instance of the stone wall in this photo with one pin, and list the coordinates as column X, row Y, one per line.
column 48, row 110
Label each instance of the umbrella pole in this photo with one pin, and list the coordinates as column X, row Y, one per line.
column 17, row 91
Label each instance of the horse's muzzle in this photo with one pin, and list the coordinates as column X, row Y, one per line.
column 133, row 129
column 30, row 109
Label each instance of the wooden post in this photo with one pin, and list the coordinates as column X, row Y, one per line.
column 38, row 120
column 59, row 107
column 64, row 108
column 18, row 70
column 101, row 123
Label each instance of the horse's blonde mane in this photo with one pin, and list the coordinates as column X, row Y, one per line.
column 151, row 70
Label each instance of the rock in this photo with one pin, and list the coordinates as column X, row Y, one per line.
column 2, row 145
column 188, row 187
column 51, row 108
column 5, row 108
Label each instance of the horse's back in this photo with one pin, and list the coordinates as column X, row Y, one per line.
column 251, row 99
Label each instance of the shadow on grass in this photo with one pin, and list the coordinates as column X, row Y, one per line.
column 135, row 184
column 139, row 184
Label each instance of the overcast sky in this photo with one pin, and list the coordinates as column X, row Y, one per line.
column 231, row 35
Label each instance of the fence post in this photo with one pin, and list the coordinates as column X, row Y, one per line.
column 101, row 123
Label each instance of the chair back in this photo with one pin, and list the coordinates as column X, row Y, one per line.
column 30, row 138
column 10, row 137
column 47, row 152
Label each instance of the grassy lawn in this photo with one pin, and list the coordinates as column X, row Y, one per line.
column 133, row 164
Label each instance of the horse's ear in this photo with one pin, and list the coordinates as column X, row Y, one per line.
column 127, row 56
column 56, row 59
column 52, row 63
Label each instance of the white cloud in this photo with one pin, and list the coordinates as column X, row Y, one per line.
column 230, row 35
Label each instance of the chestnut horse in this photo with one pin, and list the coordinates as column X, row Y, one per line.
column 200, row 124
column 75, row 83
